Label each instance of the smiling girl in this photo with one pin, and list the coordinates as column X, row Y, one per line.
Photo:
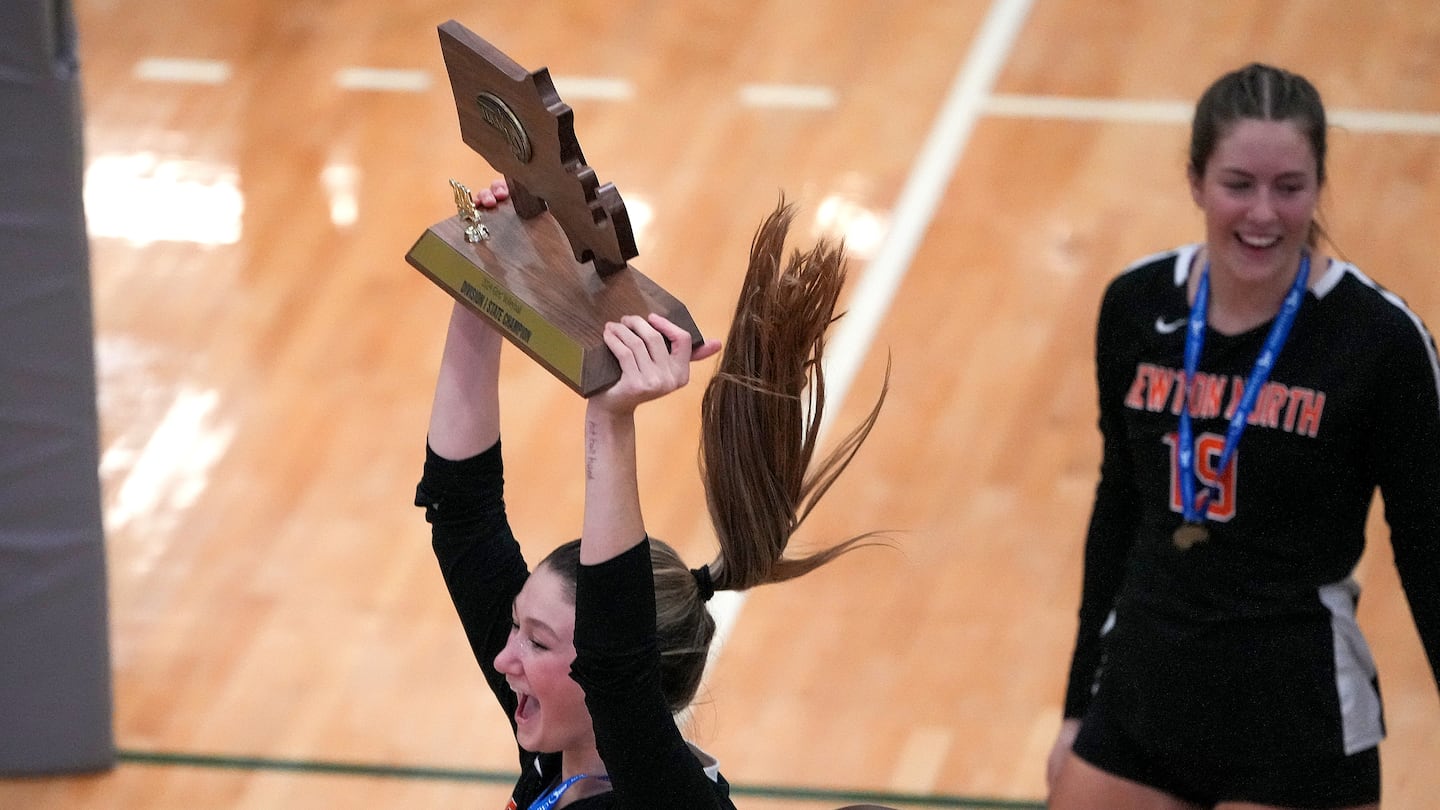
column 1218, row 662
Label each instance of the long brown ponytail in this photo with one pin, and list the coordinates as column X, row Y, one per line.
column 762, row 412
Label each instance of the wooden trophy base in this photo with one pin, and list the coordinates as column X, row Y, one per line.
column 525, row 279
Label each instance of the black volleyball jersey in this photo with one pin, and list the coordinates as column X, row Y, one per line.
column 1352, row 404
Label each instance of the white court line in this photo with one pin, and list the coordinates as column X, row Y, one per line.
column 921, row 195
column 788, row 96
column 1180, row 113
column 593, row 88
column 1395, row 123
column 918, row 767
column 387, row 80
column 183, row 71
column 1090, row 109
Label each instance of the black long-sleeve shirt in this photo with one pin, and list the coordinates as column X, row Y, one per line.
column 617, row 658
column 1352, row 405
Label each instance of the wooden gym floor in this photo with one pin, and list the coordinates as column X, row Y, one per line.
column 258, row 169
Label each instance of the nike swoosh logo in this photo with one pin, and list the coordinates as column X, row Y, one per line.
column 1165, row 327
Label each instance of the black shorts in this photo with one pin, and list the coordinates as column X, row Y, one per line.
column 1341, row 781
column 1245, row 711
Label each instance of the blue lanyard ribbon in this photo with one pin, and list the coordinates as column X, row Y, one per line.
column 1196, row 509
column 550, row 799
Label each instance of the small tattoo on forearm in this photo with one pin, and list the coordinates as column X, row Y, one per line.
column 590, row 442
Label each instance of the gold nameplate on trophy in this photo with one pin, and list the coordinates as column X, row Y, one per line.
column 550, row 266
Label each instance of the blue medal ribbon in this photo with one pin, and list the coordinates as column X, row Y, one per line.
column 550, row 799
column 1195, row 509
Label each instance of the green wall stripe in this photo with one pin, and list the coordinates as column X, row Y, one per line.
column 251, row 763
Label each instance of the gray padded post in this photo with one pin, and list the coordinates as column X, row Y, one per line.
column 55, row 691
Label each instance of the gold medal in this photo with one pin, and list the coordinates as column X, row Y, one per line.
column 1189, row 534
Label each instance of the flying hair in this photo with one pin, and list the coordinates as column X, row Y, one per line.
column 762, row 411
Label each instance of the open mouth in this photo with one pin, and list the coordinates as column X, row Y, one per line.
column 527, row 707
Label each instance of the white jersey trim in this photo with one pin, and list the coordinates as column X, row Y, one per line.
column 1184, row 260
column 1184, row 256
column 1339, row 269
column 710, row 765
column 1361, row 720
column 1334, row 271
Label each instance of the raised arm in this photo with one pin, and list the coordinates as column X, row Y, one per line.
column 465, row 416
column 649, row 369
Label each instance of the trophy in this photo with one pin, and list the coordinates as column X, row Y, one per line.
column 550, row 266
